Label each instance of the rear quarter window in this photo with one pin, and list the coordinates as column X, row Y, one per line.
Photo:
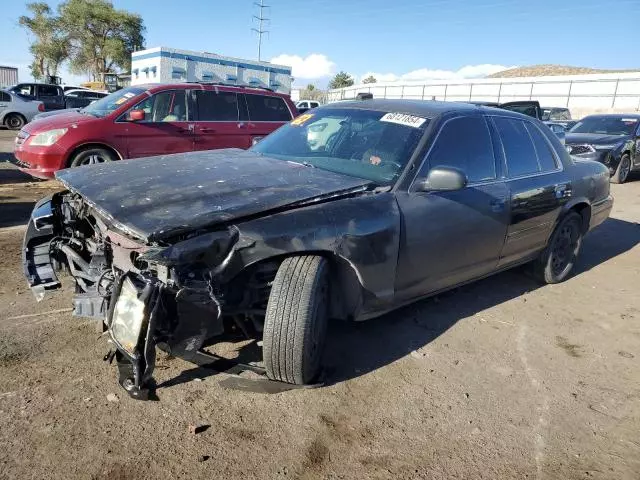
column 263, row 108
column 5, row 97
column 518, row 147
column 49, row 90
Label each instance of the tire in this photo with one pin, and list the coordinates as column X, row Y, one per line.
column 296, row 320
column 622, row 172
column 91, row 156
column 14, row 121
column 557, row 260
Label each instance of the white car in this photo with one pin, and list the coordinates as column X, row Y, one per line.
column 16, row 111
column 304, row 105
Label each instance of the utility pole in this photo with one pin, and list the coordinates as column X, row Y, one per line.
column 261, row 20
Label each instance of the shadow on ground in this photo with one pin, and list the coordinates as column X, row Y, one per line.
column 354, row 349
column 14, row 213
column 12, row 175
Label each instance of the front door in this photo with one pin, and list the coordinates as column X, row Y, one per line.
column 218, row 121
column 452, row 237
column 166, row 128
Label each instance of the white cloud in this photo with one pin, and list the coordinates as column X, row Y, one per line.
column 468, row 71
column 315, row 65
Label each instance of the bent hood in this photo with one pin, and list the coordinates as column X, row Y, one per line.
column 594, row 139
column 157, row 197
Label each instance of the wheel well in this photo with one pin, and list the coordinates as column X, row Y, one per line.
column 346, row 291
column 87, row 146
column 584, row 210
column 4, row 120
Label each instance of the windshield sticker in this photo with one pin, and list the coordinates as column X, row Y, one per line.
column 404, row 119
column 120, row 101
column 302, row 119
column 129, row 95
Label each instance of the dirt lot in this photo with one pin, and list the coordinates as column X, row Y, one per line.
column 500, row 379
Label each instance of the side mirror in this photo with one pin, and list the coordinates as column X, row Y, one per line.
column 136, row 115
column 442, row 179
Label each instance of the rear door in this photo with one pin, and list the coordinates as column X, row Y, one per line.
column 218, row 120
column 266, row 114
column 51, row 95
column 530, row 108
column 165, row 129
column 537, row 184
column 5, row 102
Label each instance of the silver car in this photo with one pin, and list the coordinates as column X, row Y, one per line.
column 16, row 111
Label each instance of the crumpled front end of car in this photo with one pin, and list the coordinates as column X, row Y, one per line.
column 146, row 295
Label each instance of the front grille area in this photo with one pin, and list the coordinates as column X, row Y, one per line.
column 579, row 149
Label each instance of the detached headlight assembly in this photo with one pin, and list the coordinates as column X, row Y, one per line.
column 128, row 317
column 48, row 138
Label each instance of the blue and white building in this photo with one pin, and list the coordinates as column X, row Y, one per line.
column 169, row 65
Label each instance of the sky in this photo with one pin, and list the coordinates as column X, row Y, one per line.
column 401, row 39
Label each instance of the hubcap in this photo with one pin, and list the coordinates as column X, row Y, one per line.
column 93, row 159
column 564, row 248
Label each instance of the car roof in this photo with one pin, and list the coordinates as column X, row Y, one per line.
column 158, row 87
column 421, row 108
column 618, row 115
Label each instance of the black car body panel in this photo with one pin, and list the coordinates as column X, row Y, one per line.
column 201, row 235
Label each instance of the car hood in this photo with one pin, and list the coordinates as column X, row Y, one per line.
column 594, row 139
column 159, row 197
column 55, row 112
column 59, row 119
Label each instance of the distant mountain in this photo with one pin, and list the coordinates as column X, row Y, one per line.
column 544, row 70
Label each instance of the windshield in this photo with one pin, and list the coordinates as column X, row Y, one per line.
column 366, row 144
column 608, row 125
column 110, row 103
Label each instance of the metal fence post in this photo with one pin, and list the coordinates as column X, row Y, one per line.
column 470, row 91
column 615, row 92
column 499, row 91
column 569, row 94
column 423, row 87
column 446, row 86
column 385, row 91
column 531, row 91
column 402, row 92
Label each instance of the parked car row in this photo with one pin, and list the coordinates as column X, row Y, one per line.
column 142, row 121
column 345, row 212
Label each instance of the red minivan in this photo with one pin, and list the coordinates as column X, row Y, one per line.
column 146, row 120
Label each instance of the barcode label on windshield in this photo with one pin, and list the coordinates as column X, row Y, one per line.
column 404, row 119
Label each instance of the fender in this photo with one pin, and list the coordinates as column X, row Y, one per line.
column 363, row 232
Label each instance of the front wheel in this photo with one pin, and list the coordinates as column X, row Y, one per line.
column 296, row 320
column 622, row 172
column 91, row 156
column 14, row 121
column 557, row 260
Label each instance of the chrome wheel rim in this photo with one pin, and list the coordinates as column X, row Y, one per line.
column 625, row 167
column 93, row 159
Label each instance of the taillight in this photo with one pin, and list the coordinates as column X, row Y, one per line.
column 41, row 107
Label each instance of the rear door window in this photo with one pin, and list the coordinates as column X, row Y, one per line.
column 263, row 108
column 546, row 158
column 25, row 90
column 48, row 91
column 518, row 147
column 215, row 106
column 5, row 97
column 465, row 143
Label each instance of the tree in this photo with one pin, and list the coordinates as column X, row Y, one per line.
column 370, row 79
column 100, row 37
column 341, row 80
column 311, row 87
column 50, row 47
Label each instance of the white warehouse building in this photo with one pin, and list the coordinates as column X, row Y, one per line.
column 168, row 65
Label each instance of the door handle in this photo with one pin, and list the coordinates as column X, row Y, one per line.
column 242, row 125
column 497, row 205
column 190, row 129
column 207, row 130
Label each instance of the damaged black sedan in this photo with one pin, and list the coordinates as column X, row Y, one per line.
column 347, row 212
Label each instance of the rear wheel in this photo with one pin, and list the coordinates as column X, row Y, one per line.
column 557, row 260
column 624, row 168
column 14, row 121
column 91, row 156
column 296, row 320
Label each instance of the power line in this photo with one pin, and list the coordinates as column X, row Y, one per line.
column 262, row 20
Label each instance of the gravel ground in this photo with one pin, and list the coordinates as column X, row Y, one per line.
column 499, row 379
